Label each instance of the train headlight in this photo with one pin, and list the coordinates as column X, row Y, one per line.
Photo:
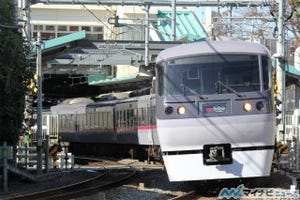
column 181, row 110
column 247, row 107
column 259, row 105
column 169, row 110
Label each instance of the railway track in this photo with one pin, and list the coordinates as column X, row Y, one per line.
column 105, row 180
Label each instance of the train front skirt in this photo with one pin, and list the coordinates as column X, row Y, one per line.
column 245, row 164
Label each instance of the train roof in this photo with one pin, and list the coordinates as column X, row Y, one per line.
column 102, row 103
column 211, row 47
column 118, row 101
column 69, row 106
column 77, row 100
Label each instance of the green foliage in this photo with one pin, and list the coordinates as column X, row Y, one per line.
column 13, row 62
column 295, row 3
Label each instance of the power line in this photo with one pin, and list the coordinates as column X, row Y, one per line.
column 92, row 13
column 241, row 3
column 9, row 26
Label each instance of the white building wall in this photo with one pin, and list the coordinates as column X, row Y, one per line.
column 93, row 15
column 74, row 15
column 126, row 71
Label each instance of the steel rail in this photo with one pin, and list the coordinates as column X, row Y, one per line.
column 84, row 188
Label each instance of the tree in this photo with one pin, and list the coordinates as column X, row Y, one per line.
column 294, row 21
column 13, row 64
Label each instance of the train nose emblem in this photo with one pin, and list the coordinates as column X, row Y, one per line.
column 215, row 108
column 219, row 108
column 217, row 154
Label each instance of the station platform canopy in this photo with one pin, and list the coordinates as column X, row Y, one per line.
column 188, row 27
column 58, row 42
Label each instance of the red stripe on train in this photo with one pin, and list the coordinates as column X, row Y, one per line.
column 144, row 128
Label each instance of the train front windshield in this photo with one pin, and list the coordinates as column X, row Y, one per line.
column 213, row 74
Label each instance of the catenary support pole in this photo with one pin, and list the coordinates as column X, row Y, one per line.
column 39, row 104
column 280, row 68
column 173, row 20
column 147, row 8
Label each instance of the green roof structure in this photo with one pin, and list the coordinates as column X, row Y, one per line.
column 188, row 27
column 60, row 41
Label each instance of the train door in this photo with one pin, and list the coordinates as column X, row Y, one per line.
column 126, row 127
column 145, row 120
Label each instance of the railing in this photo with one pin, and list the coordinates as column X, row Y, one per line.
column 50, row 127
column 27, row 159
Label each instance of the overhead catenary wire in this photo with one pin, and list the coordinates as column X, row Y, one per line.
column 94, row 15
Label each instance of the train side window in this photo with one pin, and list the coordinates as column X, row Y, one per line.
column 81, row 121
column 101, row 120
column 111, row 120
column 106, row 119
column 62, row 121
column 266, row 67
column 160, row 80
column 71, row 121
column 89, row 116
column 92, row 119
column 119, row 118
column 116, row 119
column 130, row 119
column 96, row 119
column 124, row 120
column 135, row 119
column 152, row 119
column 87, row 119
column 145, row 115
column 141, row 116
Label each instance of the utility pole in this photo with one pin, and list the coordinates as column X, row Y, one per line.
column 27, row 31
column 39, row 104
column 147, row 8
column 280, row 68
column 173, row 20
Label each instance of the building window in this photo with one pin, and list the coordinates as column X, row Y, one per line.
column 38, row 27
column 74, row 28
column 61, row 34
column 86, row 28
column 97, row 29
column 46, row 36
column 50, row 28
column 94, row 36
column 62, row 28
column 52, row 31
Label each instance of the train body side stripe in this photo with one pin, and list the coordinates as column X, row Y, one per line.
column 144, row 128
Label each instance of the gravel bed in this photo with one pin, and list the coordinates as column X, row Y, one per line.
column 146, row 184
column 18, row 186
